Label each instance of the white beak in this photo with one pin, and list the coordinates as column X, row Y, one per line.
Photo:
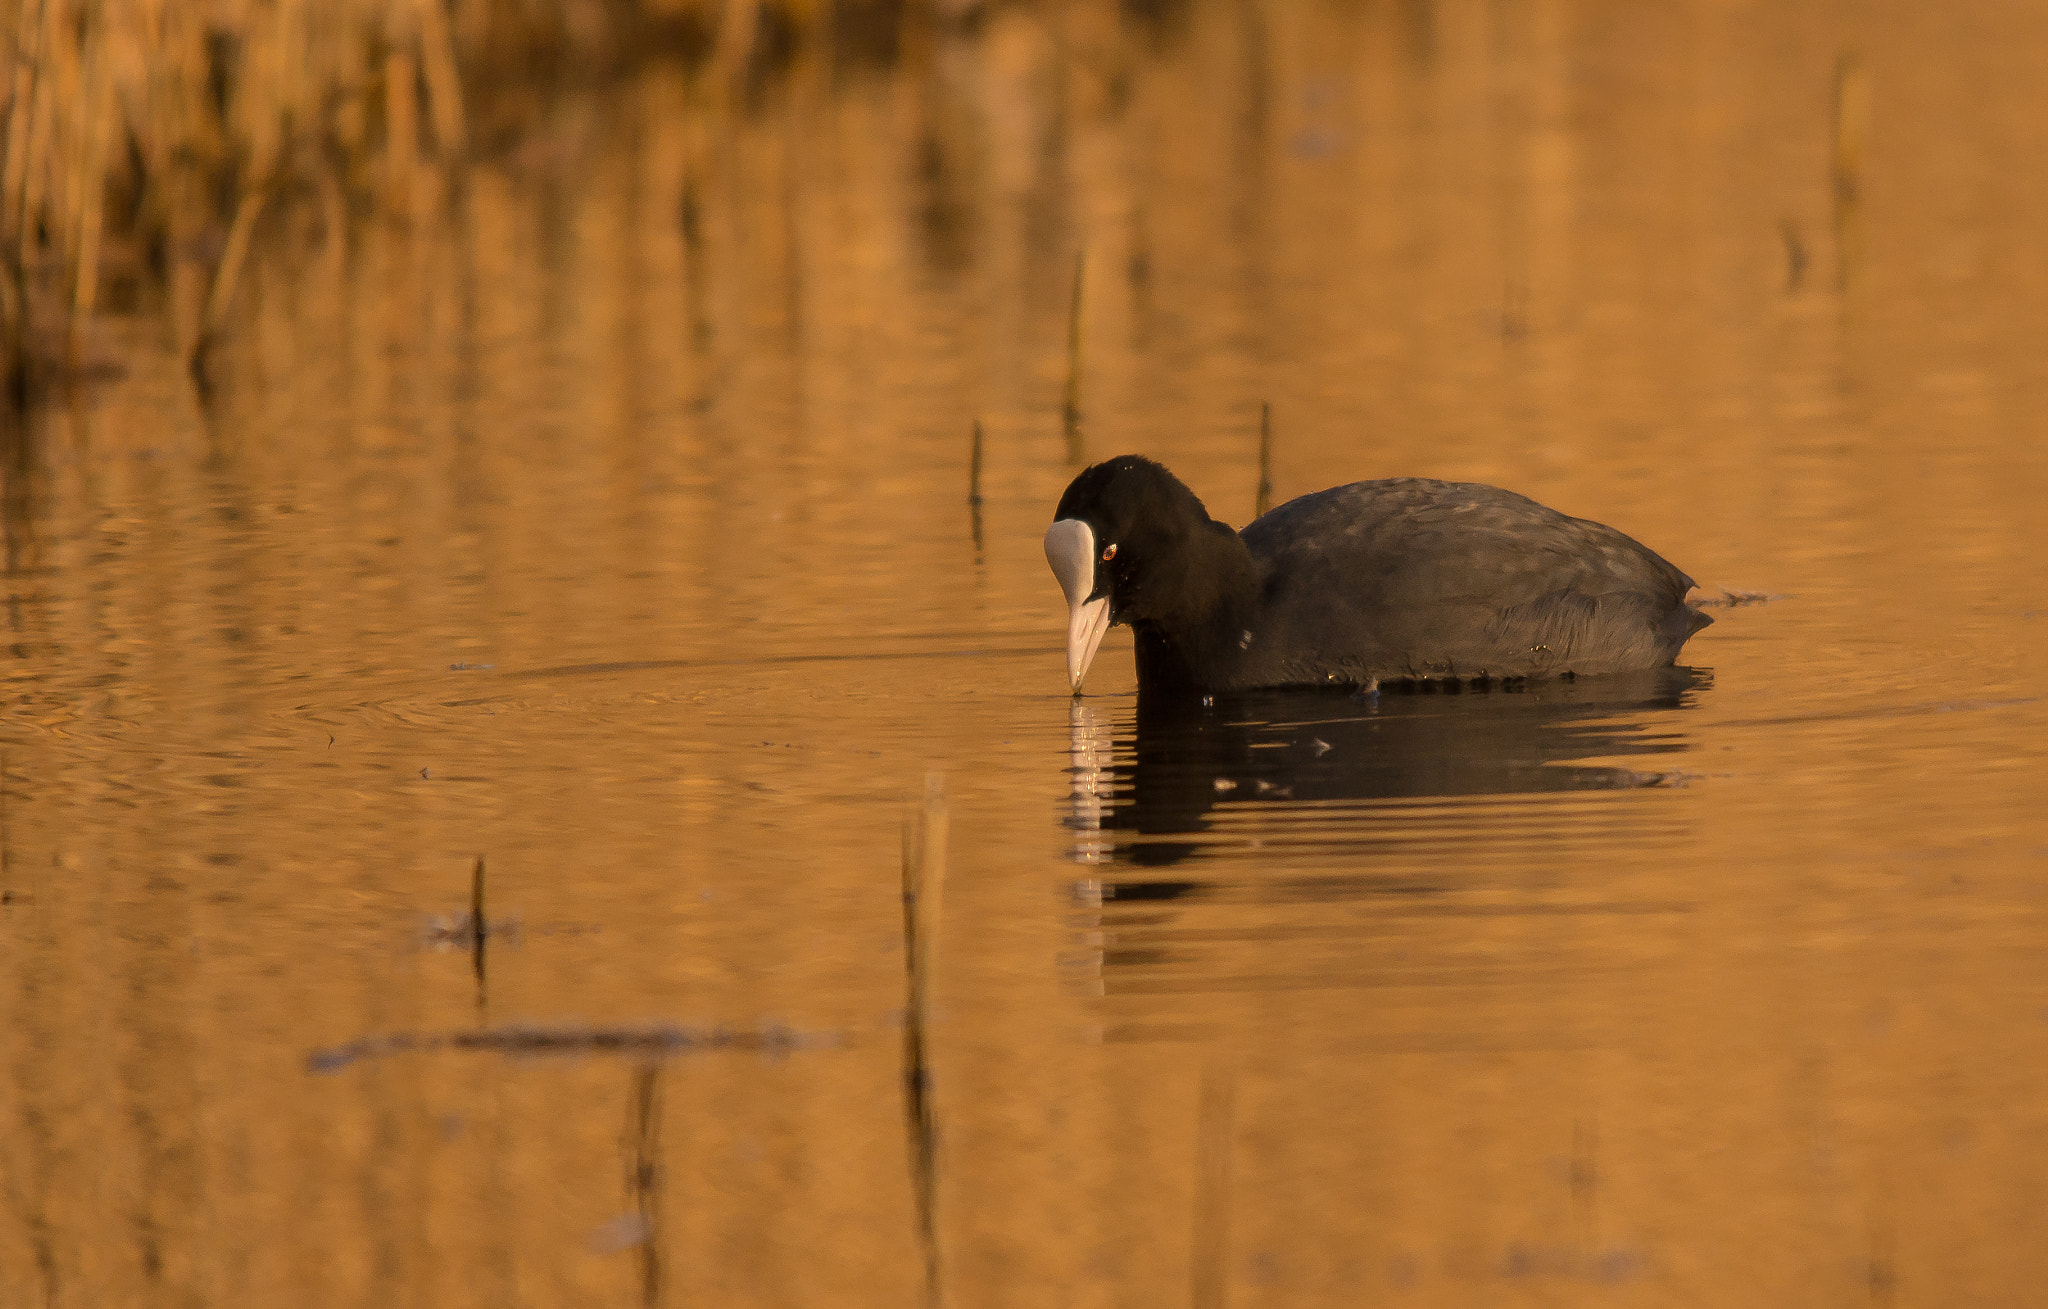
column 1070, row 549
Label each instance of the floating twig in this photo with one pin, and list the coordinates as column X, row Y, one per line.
column 1734, row 599
column 641, row 1042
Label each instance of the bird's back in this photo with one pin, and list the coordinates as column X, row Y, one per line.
column 1411, row 577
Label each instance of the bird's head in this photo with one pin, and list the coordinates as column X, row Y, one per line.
column 1125, row 544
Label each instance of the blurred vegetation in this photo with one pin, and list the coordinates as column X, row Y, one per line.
column 146, row 140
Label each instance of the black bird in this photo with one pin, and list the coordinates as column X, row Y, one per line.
column 1406, row 578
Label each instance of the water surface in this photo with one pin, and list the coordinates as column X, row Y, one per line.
column 613, row 529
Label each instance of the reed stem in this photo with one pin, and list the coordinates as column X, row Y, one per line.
column 643, row 1175
column 1071, row 411
column 974, row 488
column 1215, row 1133
column 1265, row 499
column 1850, row 140
column 974, row 467
column 227, row 275
column 479, row 938
column 444, row 83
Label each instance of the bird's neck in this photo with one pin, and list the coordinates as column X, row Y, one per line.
column 1195, row 636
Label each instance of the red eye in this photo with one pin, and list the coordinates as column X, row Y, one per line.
column 1109, row 554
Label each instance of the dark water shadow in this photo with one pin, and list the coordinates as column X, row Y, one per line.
column 1165, row 771
column 1308, row 840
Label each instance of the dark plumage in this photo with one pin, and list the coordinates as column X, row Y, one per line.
column 1403, row 578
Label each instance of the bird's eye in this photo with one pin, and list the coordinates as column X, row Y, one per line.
column 1109, row 554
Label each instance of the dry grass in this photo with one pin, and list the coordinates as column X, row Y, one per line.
column 145, row 141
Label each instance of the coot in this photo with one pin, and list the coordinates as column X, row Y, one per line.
column 1406, row 578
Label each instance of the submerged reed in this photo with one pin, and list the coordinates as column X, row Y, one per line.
column 924, row 882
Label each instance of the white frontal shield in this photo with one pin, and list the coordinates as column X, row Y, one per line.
column 1070, row 549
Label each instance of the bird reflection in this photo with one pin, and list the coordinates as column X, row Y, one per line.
column 1159, row 775
column 1288, row 840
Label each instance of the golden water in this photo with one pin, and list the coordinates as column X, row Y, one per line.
column 614, row 530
